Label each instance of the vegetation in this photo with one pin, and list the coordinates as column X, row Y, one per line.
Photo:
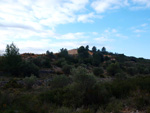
column 92, row 81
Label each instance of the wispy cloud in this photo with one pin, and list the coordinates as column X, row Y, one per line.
column 102, row 39
column 88, row 17
column 144, row 25
column 71, row 36
column 139, row 31
column 103, row 5
column 142, row 2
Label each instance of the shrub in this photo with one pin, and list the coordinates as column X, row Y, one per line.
column 82, row 77
column 146, row 71
column 60, row 62
column 84, row 111
column 132, row 71
column 29, row 81
column 67, row 69
column 141, row 101
column 98, row 71
column 113, row 68
column 98, row 95
column 73, row 96
column 63, row 110
column 28, row 68
column 54, row 96
column 114, row 106
column 12, row 84
column 121, row 76
column 59, row 81
column 121, row 89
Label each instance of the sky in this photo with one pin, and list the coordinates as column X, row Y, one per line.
column 35, row 26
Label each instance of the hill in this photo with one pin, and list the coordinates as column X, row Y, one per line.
column 73, row 81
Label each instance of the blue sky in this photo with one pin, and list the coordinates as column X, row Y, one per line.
column 122, row 26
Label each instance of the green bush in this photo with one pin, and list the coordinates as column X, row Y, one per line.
column 59, row 81
column 113, row 69
column 121, row 76
column 67, row 69
column 41, row 61
column 60, row 62
column 98, row 95
column 98, row 71
column 63, row 110
column 28, row 68
column 84, row 111
column 29, row 81
column 54, row 96
column 121, row 89
column 82, row 77
column 73, row 96
column 146, row 71
column 141, row 101
column 132, row 71
column 12, row 84
column 114, row 106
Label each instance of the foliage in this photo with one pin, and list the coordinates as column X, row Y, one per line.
column 67, row 69
column 108, row 96
column 121, row 57
column 98, row 71
column 63, row 110
column 121, row 76
column 60, row 62
column 87, row 47
column 11, row 50
column 63, row 53
column 113, row 69
column 94, row 49
column 59, row 81
column 50, row 54
column 41, row 61
column 82, row 77
column 97, row 58
column 114, row 106
column 12, row 84
column 82, row 54
column 28, row 68
column 29, row 81
column 103, row 49
column 132, row 71
column 12, row 59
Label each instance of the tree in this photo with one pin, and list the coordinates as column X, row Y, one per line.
column 103, row 49
column 113, row 69
column 94, row 49
column 83, row 53
column 12, row 59
column 97, row 58
column 87, row 47
column 50, row 54
column 11, row 50
column 63, row 53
